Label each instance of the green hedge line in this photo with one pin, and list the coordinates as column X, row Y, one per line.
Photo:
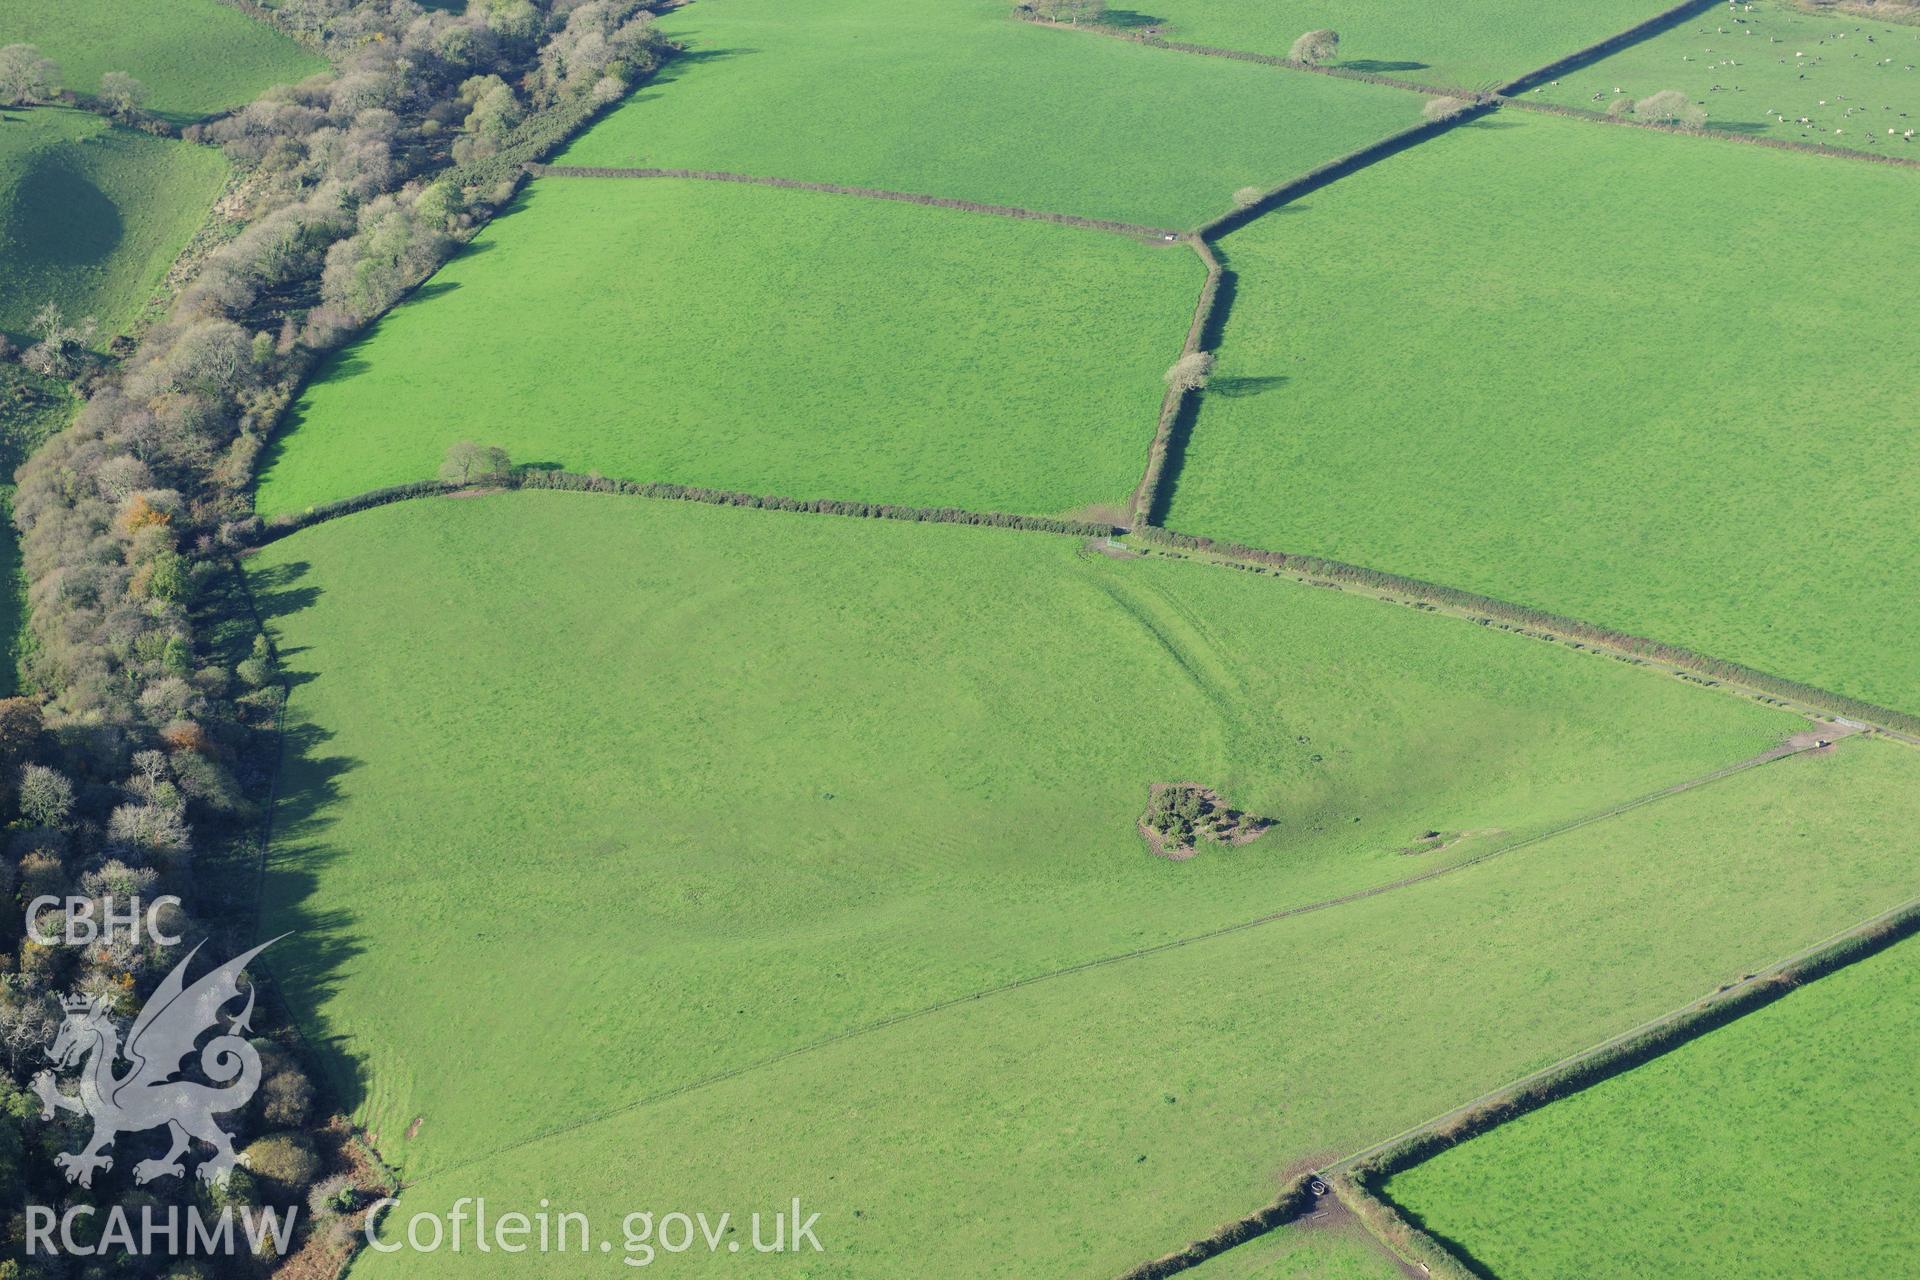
column 1339, row 167
column 1722, row 135
column 1381, row 1217
column 1734, row 1001
column 1360, row 1182
column 1294, row 1199
column 1147, row 492
column 1559, row 626
column 281, row 525
column 870, row 193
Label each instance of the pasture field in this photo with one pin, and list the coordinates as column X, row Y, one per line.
column 956, row 98
column 674, row 728
column 819, row 346
column 196, row 57
column 1780, row 1145
column 92, row 215
column 1701, row 426
column 737, row 780
column 1474, row 44
column 1771, row 70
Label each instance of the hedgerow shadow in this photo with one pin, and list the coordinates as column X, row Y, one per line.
column 1379, row 66
column 306, row 965
column 1129, row 19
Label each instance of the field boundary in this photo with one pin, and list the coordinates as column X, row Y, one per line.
column 1162, row 235
column 1140, row 506
column 1702, row 669
column 1488, row 611
column 1353, row 1178
column 1339, row 167
column 284, row 525
column 1359, row 1178
column 1709, row 131
column 1783, row 752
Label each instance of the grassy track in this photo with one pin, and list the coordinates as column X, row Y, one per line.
column 767, row 341
column 954, row 98
column 1760, row 69
column 762, row 741
column 1473, row 44
column 196, row 57
column 1699, row 427
column 91, row 215
column 1780, row 1145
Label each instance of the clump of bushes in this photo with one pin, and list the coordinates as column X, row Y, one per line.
column 1181, row 814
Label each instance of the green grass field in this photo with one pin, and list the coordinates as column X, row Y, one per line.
column 764, row 340
column 92, row 215
column 1474, row 44
column 1697, row 427
column 1780, row 1145
column 730, row 747
column 196, row 57
column 1768, row 67
column 1303, row 1251
column 955, row 98
column 740, row 781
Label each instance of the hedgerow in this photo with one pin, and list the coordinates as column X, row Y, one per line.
column 259, row 533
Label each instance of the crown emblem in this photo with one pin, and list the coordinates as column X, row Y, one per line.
column 76, row 1003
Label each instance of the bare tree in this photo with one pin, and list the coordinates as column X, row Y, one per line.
column 1191, row 371
column 1315, row 46
column 46, row 797
column 122, row 94
column 61, row 347
column 26, row 77
column 1670, row 106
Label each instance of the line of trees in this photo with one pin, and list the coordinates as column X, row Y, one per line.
column 145, row 731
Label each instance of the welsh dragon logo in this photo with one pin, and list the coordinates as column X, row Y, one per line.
column 147, row 1095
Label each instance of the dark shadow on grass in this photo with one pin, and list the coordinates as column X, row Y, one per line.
column 1240, row 388
column 306, row 965
column 1380, row 67
column 1129, row 20
column 1472, row 1265
column 434, row 289
column 70, row 223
